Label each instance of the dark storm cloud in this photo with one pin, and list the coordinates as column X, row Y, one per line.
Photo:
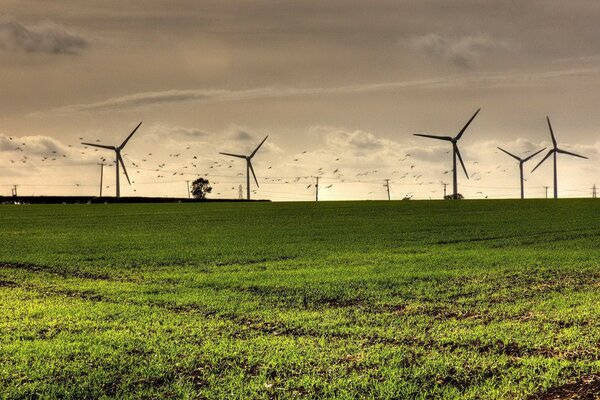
column 45, row 37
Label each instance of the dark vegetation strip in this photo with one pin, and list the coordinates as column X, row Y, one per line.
column 559, row 236
column 63, row 273
column 585, row 388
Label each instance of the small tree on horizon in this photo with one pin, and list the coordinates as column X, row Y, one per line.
column 200, row 188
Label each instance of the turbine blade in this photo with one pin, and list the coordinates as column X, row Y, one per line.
column 99, row 145
column 253, row 174
column 510, row 154
column 255, row 150
column 534, row 154
column 120, row 160
column 233, row 155
column 446, row 138
column 569, row 153
column 461, row 162
column 129, row 137
column 551, row 132
column 543, row 159
column 467, row 124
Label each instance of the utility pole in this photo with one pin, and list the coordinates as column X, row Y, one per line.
column 101, row 176
column 594, row 191
column 317, row 190
column 546, row 187
column 14, row 191
column 188, row 186
column 387, row 185
column 445, row 184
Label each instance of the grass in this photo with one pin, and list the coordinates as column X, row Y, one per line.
column 470, row 300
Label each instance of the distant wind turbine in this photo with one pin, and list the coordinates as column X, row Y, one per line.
column 248, row 166
column 455, row 152
column 118, row 158
column 521, row 162
column 554, row 151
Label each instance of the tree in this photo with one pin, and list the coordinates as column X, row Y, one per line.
column 200, row 188
column 451, row 197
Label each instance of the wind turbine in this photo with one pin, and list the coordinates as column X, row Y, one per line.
column 521, row 162
column 554, row 151
column 248, row 166
column 455, row 152
column 118, row 158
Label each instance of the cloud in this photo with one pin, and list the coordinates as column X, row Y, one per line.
column 204, row 144
column 461, row 51
column 39, row 151
column 179, row 131
column 430, row 154
column 240, row 134
column 356, row 149
column 45, row 37
column 34, row 145
column 150, row 99
column 354, row 140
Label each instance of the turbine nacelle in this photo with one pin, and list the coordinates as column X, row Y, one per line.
column 519, row 159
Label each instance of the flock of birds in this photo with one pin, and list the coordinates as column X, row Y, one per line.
column 182, row 163
column 187, row 163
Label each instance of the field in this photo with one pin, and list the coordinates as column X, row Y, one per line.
column 415, row 299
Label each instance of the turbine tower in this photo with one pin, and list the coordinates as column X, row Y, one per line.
column 118, row 158
column 248, row 166
column 455, row 152
column 521, row 162
column 555, row 150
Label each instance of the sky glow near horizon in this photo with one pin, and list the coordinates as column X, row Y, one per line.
column 339, row 87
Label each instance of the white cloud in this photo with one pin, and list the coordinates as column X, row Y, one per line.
column 355, row 140
column 462, row 51
column 33, row 145
column 166, row 131
column 240, row 134
column 151, row 99
column 45, row 37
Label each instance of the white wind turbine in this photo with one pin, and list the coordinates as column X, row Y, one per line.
column 455, row 152
column 118, row 158
column 555, row 150
column 248, row 166
column 521, row 162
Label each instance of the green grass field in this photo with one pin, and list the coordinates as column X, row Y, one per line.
column 415, row 299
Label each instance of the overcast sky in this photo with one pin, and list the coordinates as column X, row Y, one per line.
column 337, row 85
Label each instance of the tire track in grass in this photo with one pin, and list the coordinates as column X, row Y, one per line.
column 259, row 325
